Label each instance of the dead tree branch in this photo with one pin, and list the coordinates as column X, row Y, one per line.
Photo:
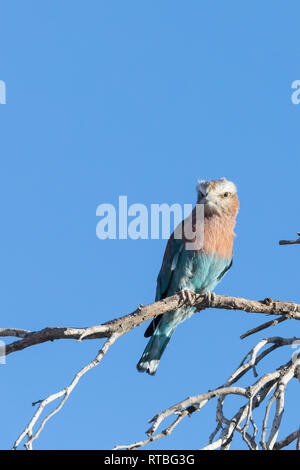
column 114, row 329
column 122, row 325
column 290, row 242
column 255, row 394
column 64, row 394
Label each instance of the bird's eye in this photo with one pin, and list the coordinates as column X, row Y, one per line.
column 226, row 194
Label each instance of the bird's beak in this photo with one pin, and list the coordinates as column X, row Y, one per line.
column 206, row 199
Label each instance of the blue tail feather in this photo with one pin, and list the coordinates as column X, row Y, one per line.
column 153, row 351
column 160, row 339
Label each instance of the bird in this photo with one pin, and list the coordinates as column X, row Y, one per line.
column 198, row 266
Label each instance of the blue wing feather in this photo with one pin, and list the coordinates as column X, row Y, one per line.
column 172, row 254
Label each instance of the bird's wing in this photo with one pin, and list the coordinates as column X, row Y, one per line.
column 227, row 267
column 173, row 251
column 172, row 254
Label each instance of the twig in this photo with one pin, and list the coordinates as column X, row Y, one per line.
column 287, row 440
column 182, row 409
column 264, row 326
column 290, row 242
column 265, row 422
column 288, row 373
column 65, row 393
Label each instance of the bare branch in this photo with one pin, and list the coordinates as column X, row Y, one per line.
column 255, row 395
column 14, row 332
column 265, row 422
column 65, row 393
column 290, row 242
column 287, row 440
column 263, row 326
column 126, row 323
column 288, row 372
column 183, row 409
column 119, row 326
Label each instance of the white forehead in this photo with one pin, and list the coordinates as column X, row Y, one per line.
column 216, row 186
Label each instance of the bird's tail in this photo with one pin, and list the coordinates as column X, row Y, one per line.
column 154, row 350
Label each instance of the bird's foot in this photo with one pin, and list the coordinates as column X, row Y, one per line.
column 187, row 295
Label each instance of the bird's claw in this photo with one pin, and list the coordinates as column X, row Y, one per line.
column 186, row 295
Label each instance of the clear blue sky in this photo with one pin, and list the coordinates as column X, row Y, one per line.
column 109, row 98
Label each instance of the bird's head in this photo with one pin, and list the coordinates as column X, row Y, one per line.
column 218, row 196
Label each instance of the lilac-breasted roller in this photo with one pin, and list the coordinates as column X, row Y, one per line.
column 199, row 269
